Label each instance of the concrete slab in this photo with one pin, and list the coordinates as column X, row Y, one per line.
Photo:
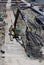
column 14, row 52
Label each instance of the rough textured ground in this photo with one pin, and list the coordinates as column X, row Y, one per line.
column 14, row 52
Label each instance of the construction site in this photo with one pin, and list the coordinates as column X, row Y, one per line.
column 21, row 32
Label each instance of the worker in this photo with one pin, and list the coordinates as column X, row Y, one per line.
column 11, row 33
